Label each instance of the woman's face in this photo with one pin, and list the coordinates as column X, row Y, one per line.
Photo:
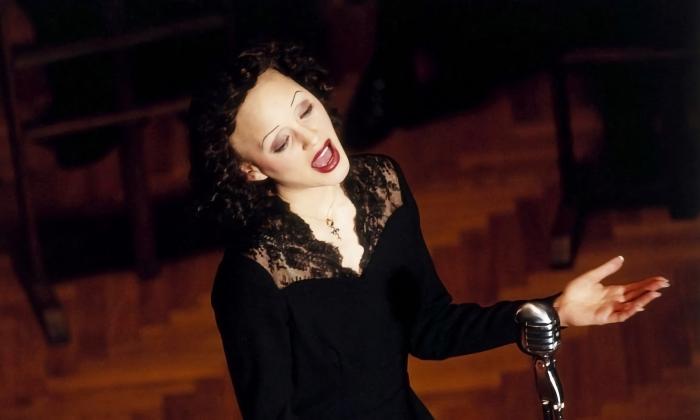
column 283, row 132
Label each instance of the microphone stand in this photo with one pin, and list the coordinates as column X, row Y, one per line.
column 540, row 338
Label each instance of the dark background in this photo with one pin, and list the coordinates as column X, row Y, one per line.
column 414, row 62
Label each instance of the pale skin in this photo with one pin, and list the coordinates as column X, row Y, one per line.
column 280, row 126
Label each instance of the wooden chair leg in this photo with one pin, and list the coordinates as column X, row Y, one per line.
column 564, row 235
column 138, row 202
column 29, row 261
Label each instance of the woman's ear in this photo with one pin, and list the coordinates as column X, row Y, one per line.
column 252, row 172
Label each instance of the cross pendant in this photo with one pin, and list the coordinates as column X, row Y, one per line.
column 334, row 230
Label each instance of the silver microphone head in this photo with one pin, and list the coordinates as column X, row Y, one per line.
column 539, row 329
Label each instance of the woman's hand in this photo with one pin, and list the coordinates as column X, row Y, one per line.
column 587, row 302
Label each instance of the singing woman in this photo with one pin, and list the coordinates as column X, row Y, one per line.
column 326, row 285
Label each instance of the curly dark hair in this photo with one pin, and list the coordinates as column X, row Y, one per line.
column 223, row 195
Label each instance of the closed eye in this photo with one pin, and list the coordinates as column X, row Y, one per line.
column 283, row 145
column 307, row 111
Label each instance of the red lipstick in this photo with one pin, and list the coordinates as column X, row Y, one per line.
column 326, row 159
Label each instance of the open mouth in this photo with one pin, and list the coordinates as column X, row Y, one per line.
column 326, row 159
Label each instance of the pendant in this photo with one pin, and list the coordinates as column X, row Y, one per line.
column 334, row 230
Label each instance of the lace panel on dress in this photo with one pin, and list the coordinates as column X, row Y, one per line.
column 286, row 247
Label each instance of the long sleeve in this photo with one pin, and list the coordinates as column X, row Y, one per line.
column 439, row 328
column 252, row 319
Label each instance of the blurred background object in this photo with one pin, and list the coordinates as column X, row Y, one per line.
column 512, row 120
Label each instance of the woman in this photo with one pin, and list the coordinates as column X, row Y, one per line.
column 327, row 284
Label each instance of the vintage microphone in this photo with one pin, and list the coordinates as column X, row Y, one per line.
column 540, row 338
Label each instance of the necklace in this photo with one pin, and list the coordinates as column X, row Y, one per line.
column 330, row 222
column 335, row 231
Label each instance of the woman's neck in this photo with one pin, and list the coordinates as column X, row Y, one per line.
column 313, row 202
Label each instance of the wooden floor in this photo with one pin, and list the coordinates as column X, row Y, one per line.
column 487, row 189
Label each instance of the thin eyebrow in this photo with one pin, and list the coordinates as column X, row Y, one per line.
column 293, row 97
column 262, row 143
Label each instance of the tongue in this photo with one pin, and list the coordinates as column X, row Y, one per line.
column 323, row 159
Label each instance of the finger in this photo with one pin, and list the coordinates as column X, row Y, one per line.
column 636, row 305
column 601, row 272
column 617, row 312
column 623, row 312
column 644, row 299
column 622, row 316
column 606, row 312
column 647, row 286
column 651, row 283
column 630, row 296
column 616, row 293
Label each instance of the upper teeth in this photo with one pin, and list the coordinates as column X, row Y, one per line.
column 323, row 156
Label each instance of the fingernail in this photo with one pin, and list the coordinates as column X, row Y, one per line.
column 621, row 258
column 640, row 309
column 656, row 294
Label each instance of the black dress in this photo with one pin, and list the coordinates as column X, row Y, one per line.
column 306, row 338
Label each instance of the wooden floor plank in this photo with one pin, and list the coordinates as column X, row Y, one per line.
column 487, row 190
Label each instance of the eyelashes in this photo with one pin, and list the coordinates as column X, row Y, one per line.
column 284, row 144
column 307, row 111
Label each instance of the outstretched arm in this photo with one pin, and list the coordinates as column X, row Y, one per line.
column 585, row 301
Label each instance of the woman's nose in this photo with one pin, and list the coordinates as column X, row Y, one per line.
column 308, row 136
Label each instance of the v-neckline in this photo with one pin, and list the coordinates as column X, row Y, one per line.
column 291, row 252
column 359, row 218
